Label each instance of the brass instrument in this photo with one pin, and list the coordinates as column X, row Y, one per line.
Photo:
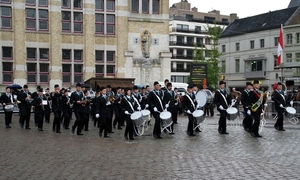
column 263, row 120
column 111, row 98
column 85, row 101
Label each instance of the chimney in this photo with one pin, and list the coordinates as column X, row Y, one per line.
column 233, row 16
column 194, row 9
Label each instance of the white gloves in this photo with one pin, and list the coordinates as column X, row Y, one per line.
column 221, row 107
column 147, row 105
column 97, row 116
column 139, row 108
column 262, row 112
column 291, row 103
column 188, row 111
column 266, row 105
column 232, row 103
column 176, row 104
column 155, row 109
column 126, row 112
column 167, row 105
column 108, row 103
column 249, row 112
column 281, row 106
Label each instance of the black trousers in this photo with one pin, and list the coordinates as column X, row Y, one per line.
column 174, row 120
column 211, row 109
column 129, row 127
column 247, row 122
column 255, row 127
column 157, row 128
column 40, row 119
column 222, row 121
column 36, row 121
column 190, row 127
column 25, row 118
column 279, row 122
column 56, row 121
column 78, row 122
column 86, row 120
column 103, row 126
column 8, row 116
column 47, row 115
column 66, row 119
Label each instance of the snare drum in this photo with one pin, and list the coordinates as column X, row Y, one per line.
column 204, row 97
column 199, row 116
column 290, row 112
column 137, row 119
column 146, row 114
column 232, row 113
column 166, row 119
column 9, row 108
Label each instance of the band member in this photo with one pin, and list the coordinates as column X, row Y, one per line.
column 247, row 102
column 76, row 100
column 48, row 107
column 195, row 91
column 33, row 96
column 7, row 99
column 222, row 100
column 237, row 96
column 25, row 106
column 128, row 107
column 164, row 89
column 103, row 111
column 256, row 108
column 170, row 99
column 155, row 101
column 144, row 95
column 56, row 97
column 39, row 102
column 94, row 106
column 118, row 109
column 110, row 97
column 177, row 103
column 280, row 104
column 189, row 103
column 66, row 110
column 86, row 110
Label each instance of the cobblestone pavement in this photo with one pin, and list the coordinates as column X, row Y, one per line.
column 30, row 154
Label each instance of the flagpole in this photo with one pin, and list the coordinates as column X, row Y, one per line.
column 281, row 55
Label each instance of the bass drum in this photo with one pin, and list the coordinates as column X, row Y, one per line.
column 204, row 97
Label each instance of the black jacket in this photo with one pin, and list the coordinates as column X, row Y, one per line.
column 246, row 99
column 278, row 98
column 169, row 98
column 188, row 104
column 156, row 100
column 219, row 99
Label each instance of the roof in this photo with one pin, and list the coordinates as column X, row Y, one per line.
column 286, row 65
column 294, row 3
column 261, row 22
column 113, row 82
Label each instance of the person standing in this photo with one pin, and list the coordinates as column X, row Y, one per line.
column 237, row 96
column 103, row 112
column 171, row 102
column 7, row 99
column 256, row 109
column 33, row 96
column 190, row 104
column 66, row 110
column 222, row 101
column 128, row 107
column 280, row 104
column 247, row 102
column 39, row 103
column 48, row 107
column 110, row 96
column 118, row 109
column 164, row 89
column 86, row 110
column 25, row 107
column 56, row 97
column 76, row 100
column 155, row 101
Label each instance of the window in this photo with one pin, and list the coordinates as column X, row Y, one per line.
column 182, row 27
column 30, row 2
column 297, row 38
column 190, row 53
column 289, row 57
column 7, row 72
column 199, row 41
column 110, row 56
column 44, row 54
column 180, row 39
column 145, row 6
column 188, row 16
column 77, row 55
column 43, row 19
column 262, row 43
column 43, row 2
column 190, row 41
column 30, row 19
column 66, row 20
column 198, row 29
column 5, row 17
column 66, row 55
column 252, row 44
column 180, row 52
column 99, row 70
column 276, row 40
column 99, row 23
column 66, row 73
column 99, row 55
column 223, row 48
column 5, row 1
column 44, row 72
column 223, row 66
column 237, row 65
column 7, row 52
column 207, row 41
column 78, row 72
column 275, row 61
column 72, row 17
column 31, row 72
column 110, row 69
column 110, row 26
column 37, row 19
column 289, row 39
column 181, row 79
column 31, row 53
column 77, row 22
column 135, row 6
column 155, row 7
column 66, row 3
column 237, row 46
column 253, row 65
column 110, row 23
column 99, row 4
column 297, row 57
column 110, row 5
column 77, row 4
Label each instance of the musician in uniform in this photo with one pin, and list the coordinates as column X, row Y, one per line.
column 171, row 104
column 222, row 100
column 256, row 108
column 118, row 109
column 76, row 100
column 56, row 97
column 144, row 95
column 39, row 108
column 66, row 110
column 280, row 104
column 94, row 106
column 33, row 96
column 164, row 89
column 247, row 103
column 48, row 106
column 86, row 110
column 155, row 101
column 110, row 97
column 25, row 106
column 189, row 103
column 128, row 107
column 103, row 112
column 7, row 99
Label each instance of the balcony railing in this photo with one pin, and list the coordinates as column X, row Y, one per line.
column 255, row 74
column 192, row 44
column 181, row 56
column 181, row 70
column 199, row 20
column 193, row 31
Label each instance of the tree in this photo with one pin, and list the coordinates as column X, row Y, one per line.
column 212, row 54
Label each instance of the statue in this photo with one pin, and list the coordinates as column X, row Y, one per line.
column 146, row 43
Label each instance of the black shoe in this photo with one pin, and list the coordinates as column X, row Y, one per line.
column 155, row 136
column 106, row 136
column 192, row 135
column 175, row 122
column 22, row 126
column 281, row 129
column 8, row 127
column 259, row 136
column 131, row 138
column 73, row 131
column 126, row 137
column 119, row 128
column 58, row 132
column 224, row 133
column 252, row 134
column 276, row 127
column 100, row 134
column 86, row 130
column 198, row 130
column 28, row 128
column 67, row 128
column 53, row 130
column 171, row 133
column 159, row 137
column 41, row 130
column 79, row 134
column 110, row 132
column 165, row 131
column 246, row 129
column 220, row 131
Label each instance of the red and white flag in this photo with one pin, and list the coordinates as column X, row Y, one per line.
column 280, row 47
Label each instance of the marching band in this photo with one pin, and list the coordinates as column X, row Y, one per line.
column 136, row 108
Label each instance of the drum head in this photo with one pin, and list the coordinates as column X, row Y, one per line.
column 135, row 115
column 198, row 113
column 232, row 110
column 291, row 110
column 201, row 98
column 165, row 115
column 145, row 112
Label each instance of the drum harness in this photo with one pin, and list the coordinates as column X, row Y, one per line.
column 198, row 125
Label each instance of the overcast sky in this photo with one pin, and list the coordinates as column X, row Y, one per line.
column 243, row 8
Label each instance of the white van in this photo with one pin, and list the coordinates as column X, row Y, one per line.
column 182, row 87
